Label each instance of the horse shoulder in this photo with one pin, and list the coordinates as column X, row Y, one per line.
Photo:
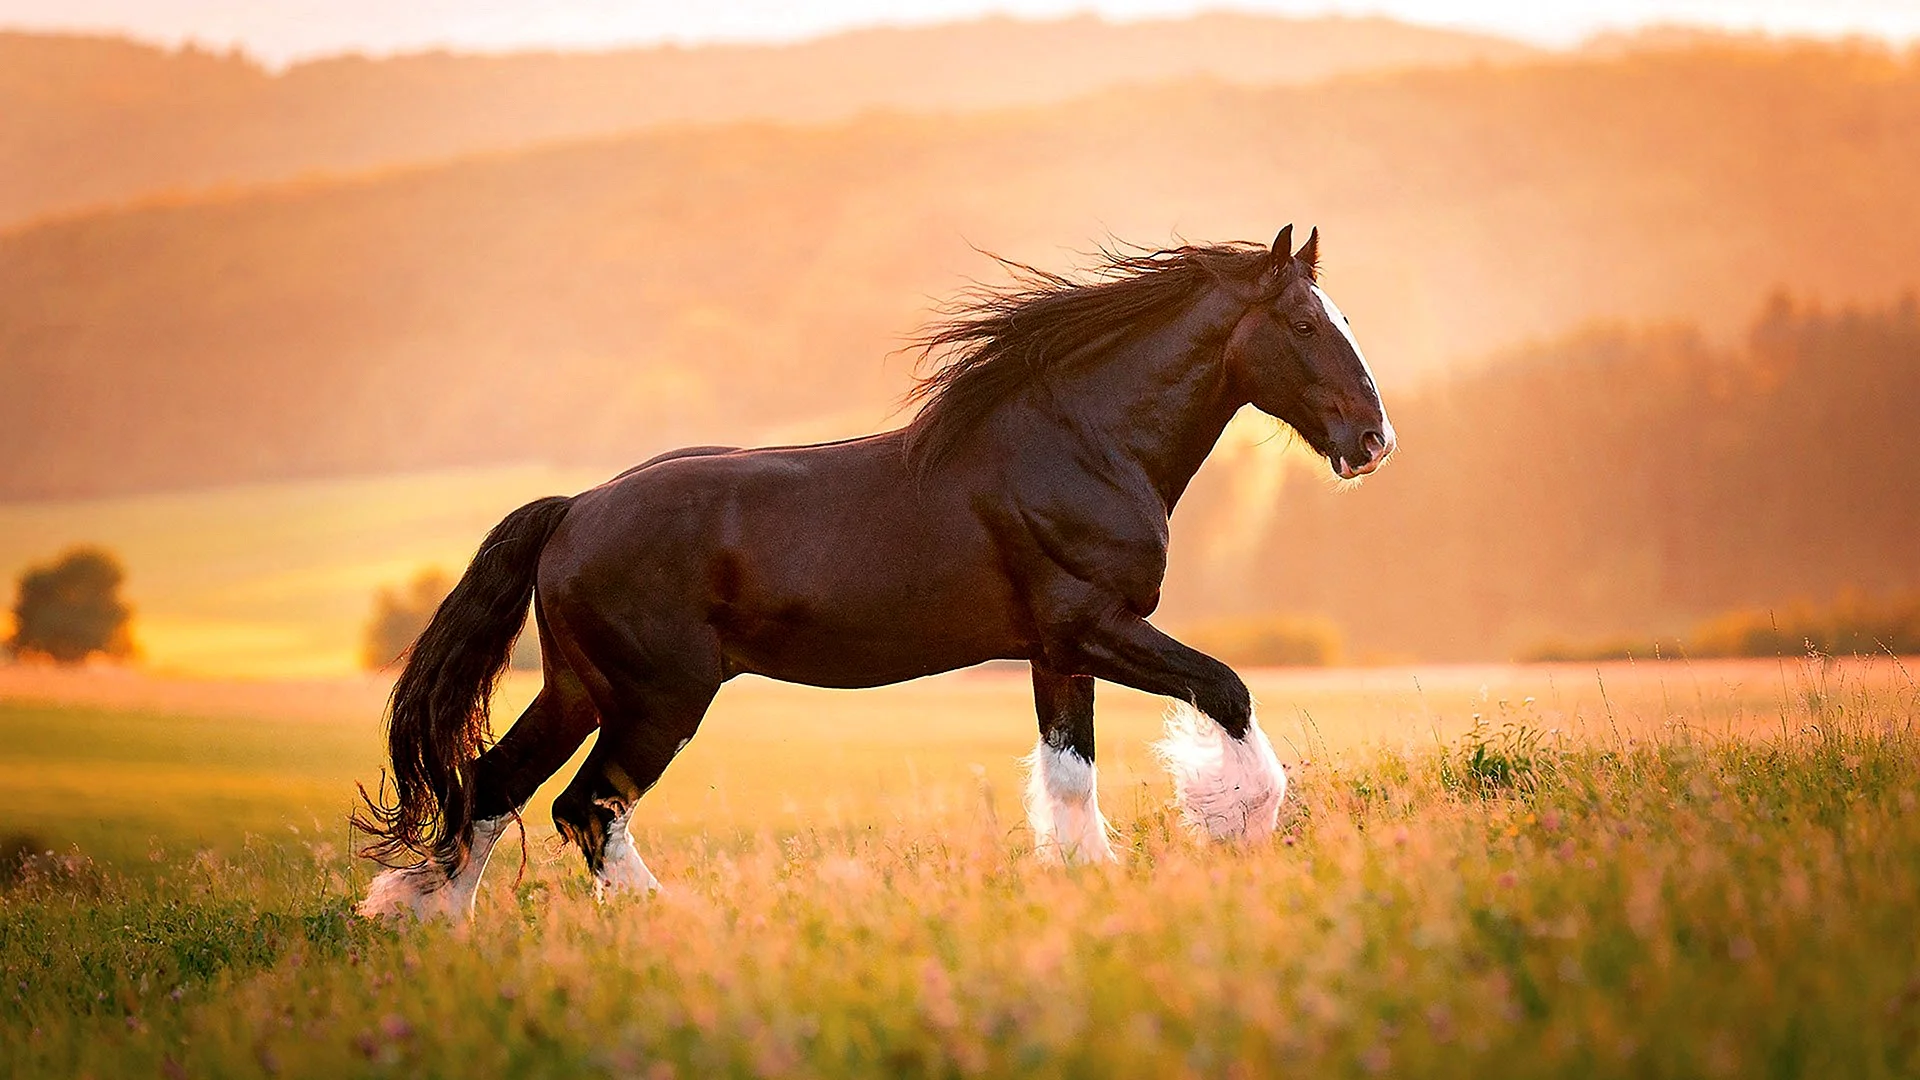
column 1099, row 536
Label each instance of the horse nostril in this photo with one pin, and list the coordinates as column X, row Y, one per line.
column 1372, row 443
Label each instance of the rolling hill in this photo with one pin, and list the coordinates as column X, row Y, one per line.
column 1612, row 485
column 89, row 121
column 588, row 303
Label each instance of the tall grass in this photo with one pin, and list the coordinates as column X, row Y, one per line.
column 1514, row 902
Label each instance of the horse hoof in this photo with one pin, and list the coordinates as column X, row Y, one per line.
column 622, row 871
column 1226, row 788
column 418, row 893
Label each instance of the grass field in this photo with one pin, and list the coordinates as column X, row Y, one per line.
column 1636, row 871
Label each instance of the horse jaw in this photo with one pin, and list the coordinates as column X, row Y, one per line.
column 1226, row 788
column 1063, row 806
column 427, row 891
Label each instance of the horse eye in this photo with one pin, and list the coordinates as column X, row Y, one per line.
column 1304, row 329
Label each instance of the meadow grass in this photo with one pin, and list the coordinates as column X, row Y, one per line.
column 1524, row 894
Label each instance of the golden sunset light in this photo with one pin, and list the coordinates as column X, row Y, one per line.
column 602, row 539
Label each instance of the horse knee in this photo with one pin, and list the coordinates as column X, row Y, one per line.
column 1228, row 702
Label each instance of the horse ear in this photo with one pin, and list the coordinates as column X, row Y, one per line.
column 1280, row 258
column 1283, row 245
column 1309, row 254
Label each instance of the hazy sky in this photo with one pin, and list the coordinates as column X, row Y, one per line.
column 279, row 30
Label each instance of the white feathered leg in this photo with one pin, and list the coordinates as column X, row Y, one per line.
column 1227, row 788
column 427, row 891
column 621, row 868
column 1063, row 806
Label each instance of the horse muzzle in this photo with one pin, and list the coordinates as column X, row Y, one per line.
column 1374, row 446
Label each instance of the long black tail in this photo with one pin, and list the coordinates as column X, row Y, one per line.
column 438, row 716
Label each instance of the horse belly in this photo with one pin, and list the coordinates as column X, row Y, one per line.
column 842, row 668
column 860, row 625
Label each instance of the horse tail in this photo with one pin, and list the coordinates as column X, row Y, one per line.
column 438, row 715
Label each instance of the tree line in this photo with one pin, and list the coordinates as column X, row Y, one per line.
column 1622, row 482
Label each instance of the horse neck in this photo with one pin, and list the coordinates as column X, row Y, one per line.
column 1162, row 400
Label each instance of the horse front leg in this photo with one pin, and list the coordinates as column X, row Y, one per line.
column 1226, row 779
column 1062, row 796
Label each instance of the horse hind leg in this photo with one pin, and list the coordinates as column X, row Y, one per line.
column 505, row 777
column 637, row 743
column 439, row 887
column 594, row 815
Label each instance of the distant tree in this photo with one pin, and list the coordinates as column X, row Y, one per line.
column 1618, row 485
column 399, row 614
column 71, row 609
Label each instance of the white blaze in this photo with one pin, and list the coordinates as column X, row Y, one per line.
column 1339, row 320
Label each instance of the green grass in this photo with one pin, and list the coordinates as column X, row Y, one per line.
column 122, row 786
column 1526, row 896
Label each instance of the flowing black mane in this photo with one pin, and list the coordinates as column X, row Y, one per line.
column 994, row 342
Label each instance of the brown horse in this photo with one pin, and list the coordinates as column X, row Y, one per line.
column 1022, row 514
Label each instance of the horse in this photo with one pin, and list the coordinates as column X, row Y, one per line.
column 1020, row 514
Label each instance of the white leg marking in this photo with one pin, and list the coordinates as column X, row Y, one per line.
column 427, row 891
column 1227, row 788
column 621, row 868
column 465, row 882
column 1063, row 806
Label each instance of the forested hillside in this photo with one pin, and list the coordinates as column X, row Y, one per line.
column 1620, row 483
column 591, row 303
column 88, row 121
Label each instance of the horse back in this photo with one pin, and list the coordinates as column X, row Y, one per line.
column 826, row 564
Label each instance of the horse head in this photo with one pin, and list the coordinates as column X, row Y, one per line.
column 1293, row 355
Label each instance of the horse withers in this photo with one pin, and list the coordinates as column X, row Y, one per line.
column 1022, row 514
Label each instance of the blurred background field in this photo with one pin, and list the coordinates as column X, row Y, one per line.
column 275, row 580
column 124, row 765
column 281, row 338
